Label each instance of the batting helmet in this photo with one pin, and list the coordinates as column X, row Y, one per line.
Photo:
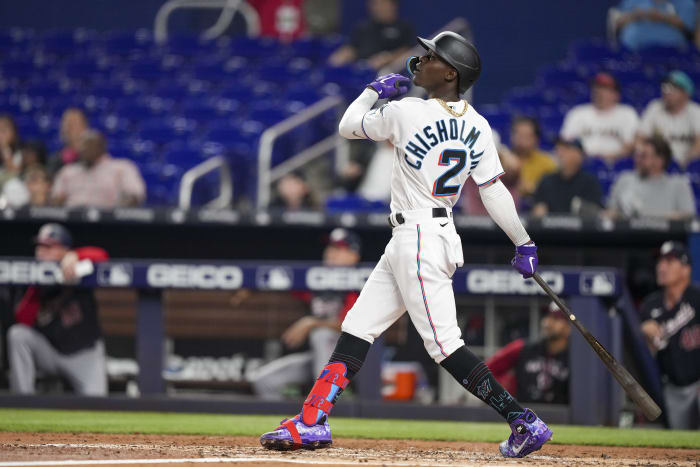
column 458, row 52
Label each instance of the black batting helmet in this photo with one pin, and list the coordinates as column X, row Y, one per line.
column 458, row 52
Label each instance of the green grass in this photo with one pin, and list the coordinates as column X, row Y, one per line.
column 252, row 425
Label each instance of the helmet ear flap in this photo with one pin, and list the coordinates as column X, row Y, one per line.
column 411, row 63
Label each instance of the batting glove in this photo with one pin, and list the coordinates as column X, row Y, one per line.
column 525, row 261
column 390, row 86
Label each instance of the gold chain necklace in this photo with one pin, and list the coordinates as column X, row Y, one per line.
column 449, row 109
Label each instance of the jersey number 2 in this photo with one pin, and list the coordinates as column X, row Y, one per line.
column 440, row 188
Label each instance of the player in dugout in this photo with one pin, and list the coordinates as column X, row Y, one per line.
column 57, row 330
column 537, row 371
column 671, row 324
column 321, row 328
column 439, row 143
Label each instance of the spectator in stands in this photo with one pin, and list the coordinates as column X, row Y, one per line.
column 9, row 149
column 471, row 203
column 38, row 184
column 321, row 328
column 525, row 138
column 649, row 191
column 293, row 193
column 73, row 124
column 33, row 155
column 676, row 117
column 538, row 371
column 98, row 180
column 671, row 324
column 379, row 40
column 570, row 189
column 647, row 23
column 605, row 127
column 57, row 329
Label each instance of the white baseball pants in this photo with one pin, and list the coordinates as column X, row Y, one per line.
column 414, row 274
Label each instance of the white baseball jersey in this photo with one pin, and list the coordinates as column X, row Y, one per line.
column 435, row 152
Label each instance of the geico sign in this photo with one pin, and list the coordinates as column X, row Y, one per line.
column 320, row 278
column 510, row 282
column 28, row 272
column 194, row 276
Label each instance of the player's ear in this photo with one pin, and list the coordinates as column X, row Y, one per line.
column 451, row 75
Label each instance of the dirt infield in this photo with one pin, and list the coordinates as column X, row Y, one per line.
column 22, row 448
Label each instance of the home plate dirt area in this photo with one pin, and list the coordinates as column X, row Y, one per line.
column 18, row 449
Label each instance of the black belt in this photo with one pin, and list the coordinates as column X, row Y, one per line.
column 437, row 212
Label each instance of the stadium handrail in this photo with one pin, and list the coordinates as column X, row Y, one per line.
column 195, row 173
column 229, row 9
column 267, row 175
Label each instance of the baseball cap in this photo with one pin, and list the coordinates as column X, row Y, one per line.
column 345, row 238
column 605, row 80
column 680, row 80
column 675, row 250
column 54, row 234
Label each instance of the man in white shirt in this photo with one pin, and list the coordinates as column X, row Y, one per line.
column 676, row 117
column 605, row 127
column 648, row 190
column 98, row 180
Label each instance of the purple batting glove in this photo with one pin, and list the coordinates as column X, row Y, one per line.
column 525, row 261
column 390, row 86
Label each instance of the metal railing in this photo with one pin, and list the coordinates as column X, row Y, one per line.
column 229, row 8
column 267, row 175
column 199, row 171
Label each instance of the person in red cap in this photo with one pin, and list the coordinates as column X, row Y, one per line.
column 537, row 371
column 671, row 324
column 605, row 127
column 57, row 330
column 321, row 328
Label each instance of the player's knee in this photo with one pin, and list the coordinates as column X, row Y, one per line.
column 356, row 331
column 18, row 334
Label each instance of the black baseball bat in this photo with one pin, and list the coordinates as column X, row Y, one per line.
column 626, row 380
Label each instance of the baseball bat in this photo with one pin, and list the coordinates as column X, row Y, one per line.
column 626, row 380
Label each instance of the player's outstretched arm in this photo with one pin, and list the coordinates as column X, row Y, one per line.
column 384, row 87
column 501, row 207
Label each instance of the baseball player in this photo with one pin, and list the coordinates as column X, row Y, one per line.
column 439, row 143
column 321, row 328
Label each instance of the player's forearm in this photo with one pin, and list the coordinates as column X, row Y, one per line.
column 501, row 207
column 351, row 124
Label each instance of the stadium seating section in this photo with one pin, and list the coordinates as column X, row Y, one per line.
column 168, row 107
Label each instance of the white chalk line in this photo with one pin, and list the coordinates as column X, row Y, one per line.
column 219, row 460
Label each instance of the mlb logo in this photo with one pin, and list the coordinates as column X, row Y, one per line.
column 597, row 283
column 115, row 275
column 274, row 278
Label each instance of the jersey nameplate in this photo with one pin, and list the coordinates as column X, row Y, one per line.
column 439, row 132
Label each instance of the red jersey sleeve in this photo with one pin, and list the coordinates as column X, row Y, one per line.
column 93, row 253
column 350, row 299
column 28, row 307
column 504, row 360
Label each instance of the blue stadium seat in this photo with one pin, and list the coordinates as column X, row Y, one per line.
column 623, row 164
column 353, row 203
column 606, row 176
column 592, row 51
column 122, row 42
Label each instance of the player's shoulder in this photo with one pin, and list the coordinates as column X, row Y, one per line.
column 653, row 107
column 70, row 170
column 627, row 110
column 409, row 102
column 694, row 107
column 582, row 110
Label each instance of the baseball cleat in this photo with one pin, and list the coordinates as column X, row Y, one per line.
column 529, row 434
column 293, row 434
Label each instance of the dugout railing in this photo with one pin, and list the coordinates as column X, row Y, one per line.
column 591, row 292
